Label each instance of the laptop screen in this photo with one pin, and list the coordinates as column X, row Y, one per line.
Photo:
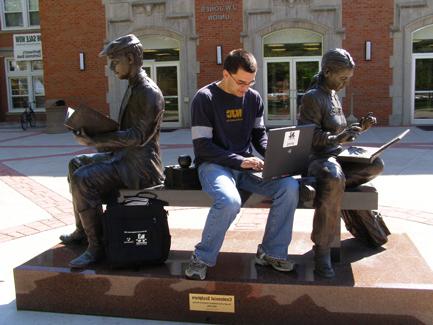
column 394, row 140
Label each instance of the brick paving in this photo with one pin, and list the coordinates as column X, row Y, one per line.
column 56, row 205
column 27, row 135
column 425, row 217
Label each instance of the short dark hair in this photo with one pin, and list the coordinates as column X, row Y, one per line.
column 137, row 53
column 240, row 58
column 333, row 61
column 337, row 59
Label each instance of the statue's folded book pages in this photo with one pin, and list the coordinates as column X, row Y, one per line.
column 91, row 121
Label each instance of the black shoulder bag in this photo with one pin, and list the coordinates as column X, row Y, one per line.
column 136, row 231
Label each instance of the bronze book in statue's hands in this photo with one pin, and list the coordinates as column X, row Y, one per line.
column 91, row 121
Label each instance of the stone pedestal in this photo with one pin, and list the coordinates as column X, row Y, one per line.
column 390, row 285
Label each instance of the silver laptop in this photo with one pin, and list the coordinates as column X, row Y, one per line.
column 287, row 152
column 367, row 154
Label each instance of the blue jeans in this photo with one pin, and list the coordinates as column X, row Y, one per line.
column 222, row 184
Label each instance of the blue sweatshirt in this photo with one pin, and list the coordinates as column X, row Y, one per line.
column 224, row 126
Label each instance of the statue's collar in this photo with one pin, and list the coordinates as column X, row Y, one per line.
column 326, row 90
column 139, row 77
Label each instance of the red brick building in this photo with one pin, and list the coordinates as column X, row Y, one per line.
column 49, row 50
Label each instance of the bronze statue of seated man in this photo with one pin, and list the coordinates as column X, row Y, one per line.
column 127, row 158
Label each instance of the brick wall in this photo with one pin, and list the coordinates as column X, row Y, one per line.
column 217, row 23
column 68, row 28
column 369, row 20
column 6, row 39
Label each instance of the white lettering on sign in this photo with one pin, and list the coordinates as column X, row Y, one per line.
column 29, row 38
column 218, row 11
column 291, row 138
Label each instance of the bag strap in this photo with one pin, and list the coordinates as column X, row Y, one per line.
column 151, row 196
column 145, row 193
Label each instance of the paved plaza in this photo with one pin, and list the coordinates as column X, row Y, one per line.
column 36, row 204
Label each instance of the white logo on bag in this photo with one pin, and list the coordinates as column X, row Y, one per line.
column 128, row 240
column 141, row 240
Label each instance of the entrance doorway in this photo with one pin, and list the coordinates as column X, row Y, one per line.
column 285, row 84
column 291, row 59
column 165, row 74
column 422, row 76
column 161, row 63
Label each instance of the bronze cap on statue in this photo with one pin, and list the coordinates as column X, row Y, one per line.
column 119, row 44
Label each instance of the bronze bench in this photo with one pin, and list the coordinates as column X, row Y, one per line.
column 364, row 197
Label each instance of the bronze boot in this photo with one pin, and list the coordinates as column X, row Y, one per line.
column 322, row 262
column 78, row 236
column 91, row 221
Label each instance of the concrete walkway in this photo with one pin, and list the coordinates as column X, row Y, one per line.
column 36, row 204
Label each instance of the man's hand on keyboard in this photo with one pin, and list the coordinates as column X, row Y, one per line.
column 252, row 163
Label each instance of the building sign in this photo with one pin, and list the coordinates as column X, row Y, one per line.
column 27, row 47
column 218, row 11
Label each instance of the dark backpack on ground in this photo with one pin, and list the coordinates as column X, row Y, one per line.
column 136, row 231
column 367, row 226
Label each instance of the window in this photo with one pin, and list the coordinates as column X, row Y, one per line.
column 423, row 40
column 33, row 12
column 422, row 53
column 292, row 42
column 160, row 48
column 25, row 84
column 19, row 14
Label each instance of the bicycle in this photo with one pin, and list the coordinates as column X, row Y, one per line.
column 28, row 118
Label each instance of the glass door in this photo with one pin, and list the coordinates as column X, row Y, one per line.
column 422, row 112
column 166, row 76
column 25, row 81
column 305, row 71
column 286, row 80
column 277, row 87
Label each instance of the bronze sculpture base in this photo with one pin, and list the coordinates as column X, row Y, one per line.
column 386, row 285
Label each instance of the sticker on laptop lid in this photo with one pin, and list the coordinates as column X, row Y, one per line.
column 291, row 138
